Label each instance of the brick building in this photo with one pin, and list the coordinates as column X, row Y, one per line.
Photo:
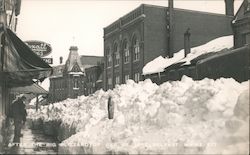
column 150, row 31
column 227, row 63
column 94, row 79
column 69, row 80
column 241, row 25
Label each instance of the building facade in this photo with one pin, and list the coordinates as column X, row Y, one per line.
column 241, row 25
column 70, row 80
column 9, row 11
column 94, row 79
column 19, row 65
column 227, row 63
column 150, row 31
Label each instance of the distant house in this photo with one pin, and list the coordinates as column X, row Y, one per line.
column 69, row 80
column 150, row 31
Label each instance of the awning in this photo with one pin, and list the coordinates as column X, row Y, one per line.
column 19, row 63
column 34, row 88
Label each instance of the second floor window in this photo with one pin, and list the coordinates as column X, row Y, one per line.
column 136, row 49
column 109, row 61
column 126, row 53
column 117, row 59
column 109, row 58
column 75, row 83
column 116, row 55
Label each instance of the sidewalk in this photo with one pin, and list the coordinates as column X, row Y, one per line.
column 33, row 142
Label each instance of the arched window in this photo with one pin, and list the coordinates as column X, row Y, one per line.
column 109, row 57
column 126, row 51
column 136, row 48
column 116, row 55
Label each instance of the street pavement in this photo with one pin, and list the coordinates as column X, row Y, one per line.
column 33, row 142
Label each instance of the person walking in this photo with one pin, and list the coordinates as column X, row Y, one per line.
column 19, row 113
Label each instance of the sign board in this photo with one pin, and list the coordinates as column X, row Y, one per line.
column 39, row 47
column 48, row 60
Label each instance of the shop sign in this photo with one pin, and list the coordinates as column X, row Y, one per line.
column 48, row 60
column 41, row 48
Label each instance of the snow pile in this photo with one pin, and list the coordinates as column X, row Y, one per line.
column 160, row 63
column 184, row 116
column 65, row 110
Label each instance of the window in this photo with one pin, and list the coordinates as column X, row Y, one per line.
column 117, row 80
column 109, row 61
column 117, row 58
column 247, row 7
column 126, row 77
column 116, row 55
column 109, row 58
column 75, row 83
column 109, row 83
column 136, row 49
column 126, row 52
column 137, row 77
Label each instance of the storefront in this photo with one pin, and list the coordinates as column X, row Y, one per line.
column 20, row 67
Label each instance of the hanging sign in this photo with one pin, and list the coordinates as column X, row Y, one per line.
column 48, row 60
column 41, row 48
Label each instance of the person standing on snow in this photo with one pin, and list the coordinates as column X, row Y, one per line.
column 19, row 113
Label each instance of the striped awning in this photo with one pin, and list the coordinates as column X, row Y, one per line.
column 34, row 88
column 19, row 64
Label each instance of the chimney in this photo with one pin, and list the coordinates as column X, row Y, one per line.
column 61, row 60
column 170, row 27
column 229, row 7
column 187, row 48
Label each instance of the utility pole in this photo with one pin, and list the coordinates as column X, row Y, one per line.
column 170, row 27
column 37, row 98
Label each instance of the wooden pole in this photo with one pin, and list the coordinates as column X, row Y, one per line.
column 37, row 99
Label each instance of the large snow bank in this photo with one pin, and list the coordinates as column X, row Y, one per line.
column 159, row 64
column 176, row 117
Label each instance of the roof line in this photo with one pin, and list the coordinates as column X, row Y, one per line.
column 157, row 6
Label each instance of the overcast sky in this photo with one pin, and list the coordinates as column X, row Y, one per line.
column 57, row 22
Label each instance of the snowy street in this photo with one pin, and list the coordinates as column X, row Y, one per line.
column 33, row 142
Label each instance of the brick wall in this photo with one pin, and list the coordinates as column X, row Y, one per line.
column 203, row 27
column 155, row 39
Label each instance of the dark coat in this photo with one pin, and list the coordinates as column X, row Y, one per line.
column 18, row 110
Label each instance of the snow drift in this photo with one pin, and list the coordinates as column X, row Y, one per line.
column 181, row 117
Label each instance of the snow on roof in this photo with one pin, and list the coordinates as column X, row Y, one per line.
column 159, row 64
column 56, row 76
column 76, row 73
column 45, row 84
